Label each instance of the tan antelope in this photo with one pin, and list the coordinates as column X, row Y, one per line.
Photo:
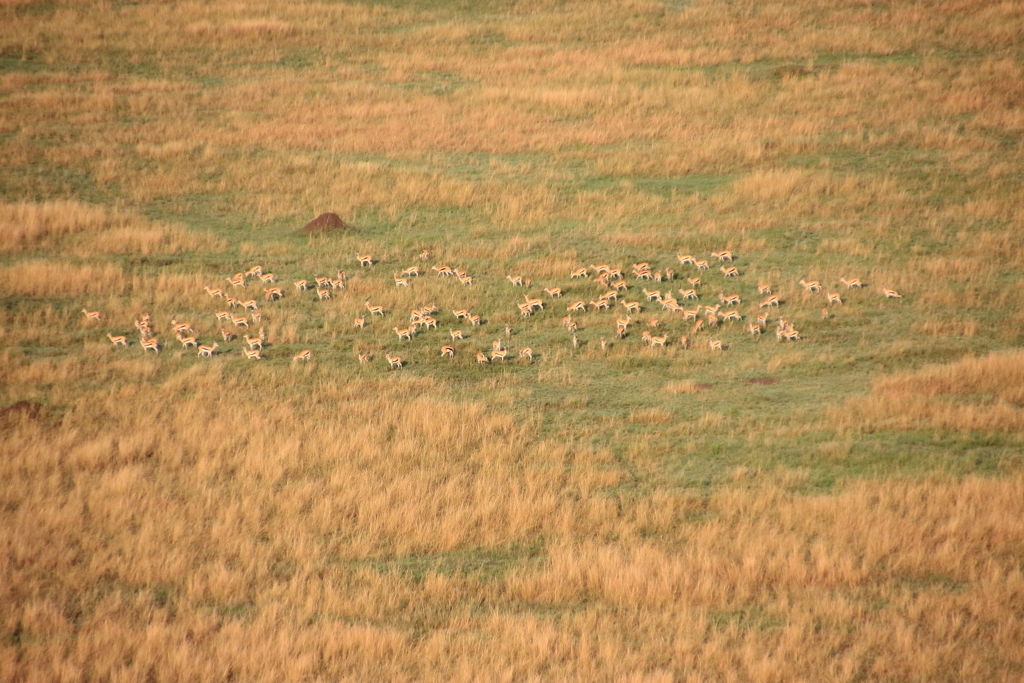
column 722, row 255
column 534, row 303
column 466, row 279
column 651, row 296
column 659, row 341
column 754, row 329
column 525, row 310
column 253, row 342
column 770, row 301
column 702, row 265
column 855, row 282
column 241, row 321
column 404, row 334
column 631, row 306
column 232, row 301
column 496, row 345
column 499, row 354
column 646, row 337
column 268, row 278
column 508, row 331
column 443, row 271
column 834, row 299
column 619, row 285
column 686, row 259
column 684, row 342
column 273, row 294
column 255, row 271
column 577, row 306
column 553, row 292
column 338, row 284
column 603, row 268
column 891, row 294
column 694, row 282
column 364, row 357
column 654, row 323
column 253, row 354
column 237, row 281
column 301, row 285
column 731, row 315
column 395, row 361
column 812, row 286
column 360, row 323
column 516, row 280
column 323, row 294
column 579, row 272
column 481, row 357
column 762, row 320
column 118, row 341
column 691, row 313
column 622, row 324
column 824, row 314
column 526, row 352
column 460, row 313
column 411, row 271
column 604, row 344
column 91, row 315
column 250, row 305
column 600, row 305
column 571, row 327
column 474, row 320
column 364, row 259
column 150, row 343
column 303, row 355
column 207, row 351
column 428, row 322
column 374, row 310
column 226, row 335
column 698, row 326
column 730, row 300
column 575, row 341
column 322, row 281
column 214, row 292
column 670, row 274
column 425, row 254
column 715, row 344
column 456, row 334
column 448, row 350
column 688, row 293
column 400, row 281
column 187, row 342
column 731, row 271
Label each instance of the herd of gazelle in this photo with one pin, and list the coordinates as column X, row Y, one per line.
column 611, row 279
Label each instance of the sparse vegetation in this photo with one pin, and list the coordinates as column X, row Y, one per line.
column 841, row 505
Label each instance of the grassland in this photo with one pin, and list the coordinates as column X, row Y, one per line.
column 847, row 507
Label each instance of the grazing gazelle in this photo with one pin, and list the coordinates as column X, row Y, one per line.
column 891, row 294
column 207, row 351
column 448, row 350
column 303, row 355
column 118, row 341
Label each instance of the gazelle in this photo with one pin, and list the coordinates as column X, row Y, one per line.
column 253, row 342
column 715, row 344
column 323, row 294
column 730, row 300
column 364, row 259
column 525, row 310
column 150, row 343
column 646, row 337
column 688, row 293
column 481, row 357
column 622, row 323
column 631, row 306
column 456, row 334
column 731, row 271
column 443, row 270
column 824, row 314
column 301, row 285
column 448, row 350
column 686, row 259
column 250, row 305
column 226, row 335
column 425, row 254
column 534, row 303
column 691, row 313
column 516, row 280
column 268, row 278
column 256, row 317
column 670, row 274
column 600, row 304
column 891, row 294
column 262, row 336
column 694, row 282
column 322, row 281
column 834, row 299
column 579, row 272
column 722, row 255
column 118, row 341
column 619, row 285
column 654, row 323
column 604, row 344
column 395, row 361
column 576, row 306
column 659, row 341
column 302, row 355
column 338, row 284
column 770, row 301
column 812, row 286
column 374, row 310
column 241, row 322
column 232, row 301
column 207, row 351
column 684, row 342
column 428, row 322
column 855, row 282
column 651, row 296
column 359, row 322
column 754, row 329
column 255, row 271
column 496, row 345
column 460, row 313
column 763, row 288
column 214, row 292
column 702, row 265
column 731, row 315
column 698, row 326
column 187, row 342
column 553, row 292
column 526, row 352
column 499, row 354
column 182, row 328
column 253, row 354
column 474, row 320
column 571, row 327
column 404, row 334
column 575, row 341
column 91, row 315
column 762, row 320
column 412, row 271
column 237, row 281
column 400, row 281
column 273, row 294
column 603, row 268
column 508, row 331
column 364, row 357
column 466, row 279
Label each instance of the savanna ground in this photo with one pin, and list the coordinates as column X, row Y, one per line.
column 847, row 507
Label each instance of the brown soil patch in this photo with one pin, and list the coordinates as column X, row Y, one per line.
column 325, row 222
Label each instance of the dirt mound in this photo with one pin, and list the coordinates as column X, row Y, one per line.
column 325, row 222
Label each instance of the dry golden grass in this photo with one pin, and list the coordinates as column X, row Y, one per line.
column 165, row 518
